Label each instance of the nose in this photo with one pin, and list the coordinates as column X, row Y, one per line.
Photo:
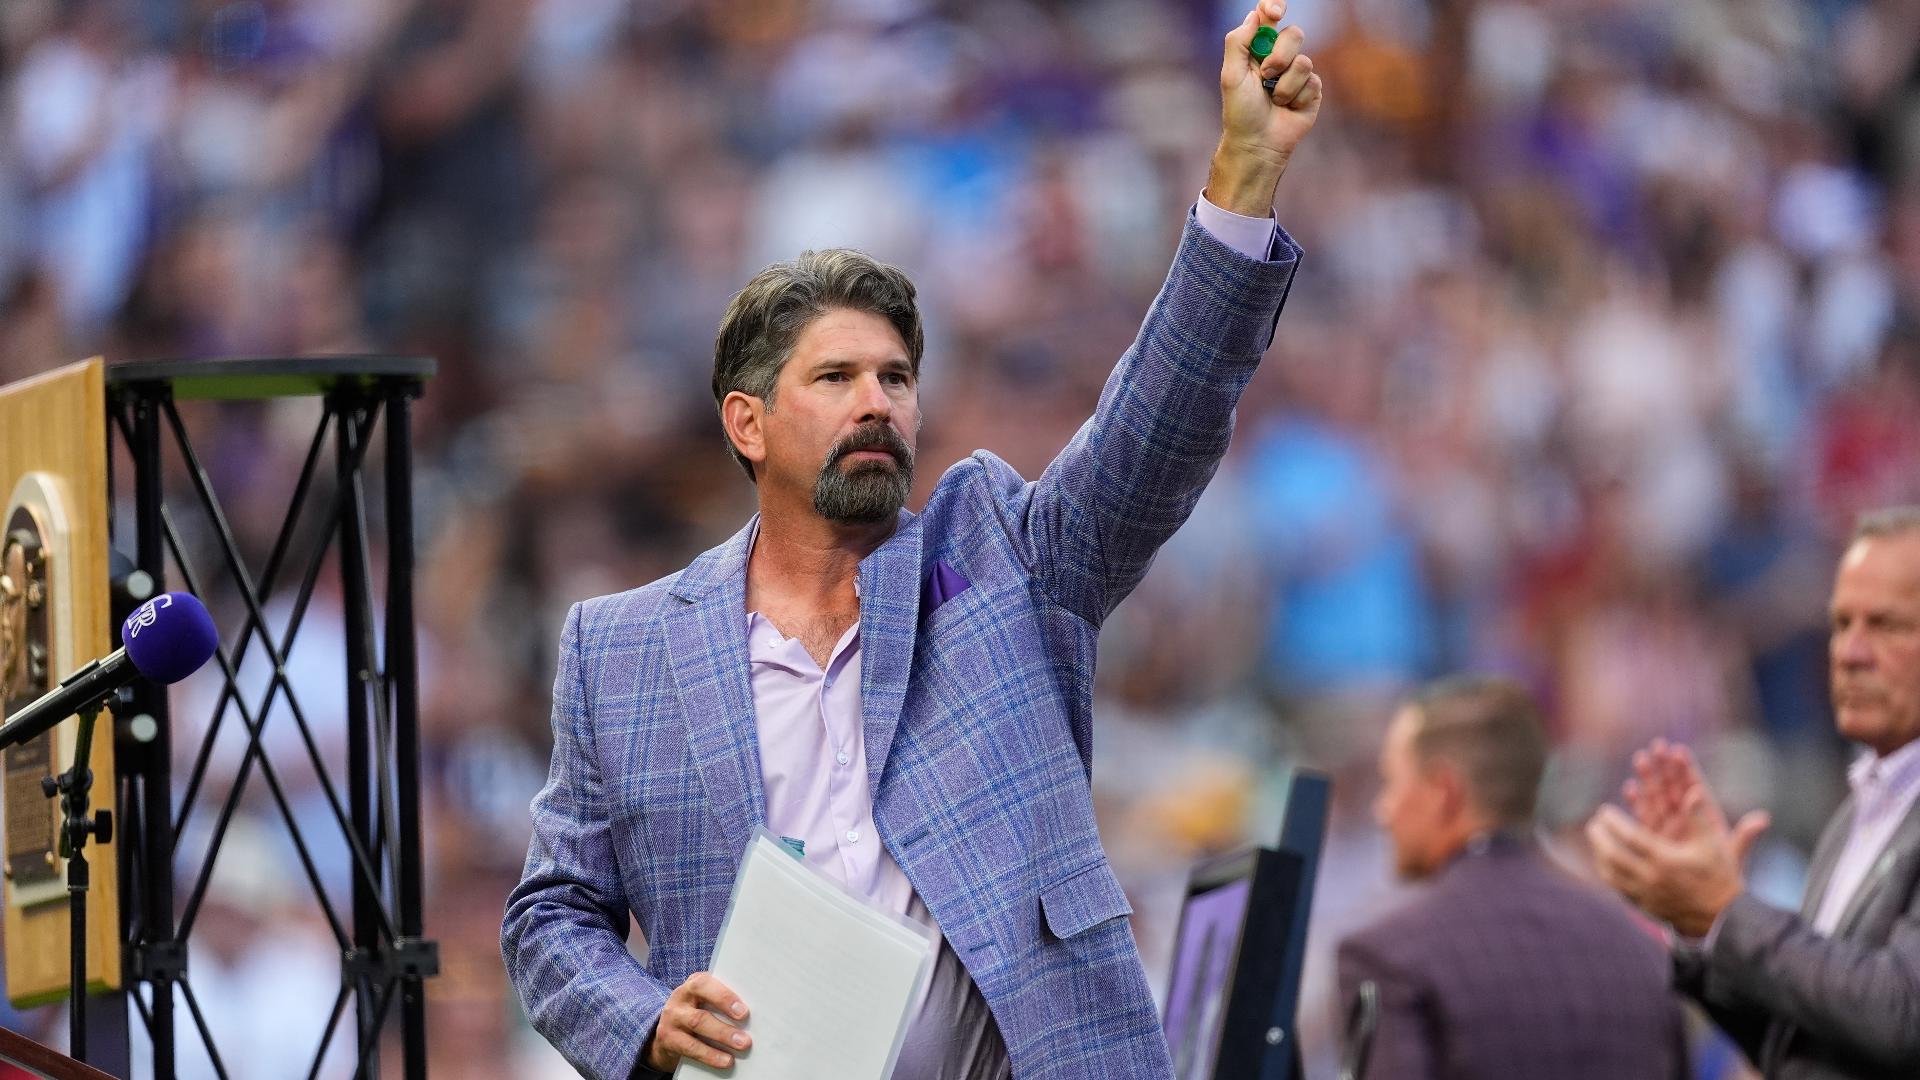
column 872, row 403
column 1850, row 649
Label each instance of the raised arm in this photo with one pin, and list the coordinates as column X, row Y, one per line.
column 1132, row 474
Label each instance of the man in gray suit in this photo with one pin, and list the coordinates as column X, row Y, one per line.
column 1833, row 991
column 1504, row 966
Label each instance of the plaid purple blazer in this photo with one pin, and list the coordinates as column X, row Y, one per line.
column 1504, row 966
column 977, row 719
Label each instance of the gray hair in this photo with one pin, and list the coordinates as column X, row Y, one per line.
column 1885, row 522
column 1490, row 729
column 766, row 318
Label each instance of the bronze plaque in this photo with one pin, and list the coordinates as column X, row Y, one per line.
column 25, row 665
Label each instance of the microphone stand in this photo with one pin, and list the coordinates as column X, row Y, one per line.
column 74, row 788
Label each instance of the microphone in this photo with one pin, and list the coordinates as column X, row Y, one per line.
column 167, row 639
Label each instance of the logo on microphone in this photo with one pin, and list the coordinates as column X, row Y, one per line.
column 147, row 614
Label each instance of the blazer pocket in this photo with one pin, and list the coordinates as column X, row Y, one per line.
column 1083, row 900
column 960, row 609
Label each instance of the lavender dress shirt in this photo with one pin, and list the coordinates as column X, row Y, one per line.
column 814, row 766
column 1884, row 790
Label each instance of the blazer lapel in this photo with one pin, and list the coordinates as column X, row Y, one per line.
column 707, row 648
column 1904, row 839
column 1825, row 854
column 889, row 614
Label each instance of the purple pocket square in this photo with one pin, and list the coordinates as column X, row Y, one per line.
column 943, row 584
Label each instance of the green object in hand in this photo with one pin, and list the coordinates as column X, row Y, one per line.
column 1263, row 40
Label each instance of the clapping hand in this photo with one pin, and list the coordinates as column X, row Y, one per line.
column 1676, row 857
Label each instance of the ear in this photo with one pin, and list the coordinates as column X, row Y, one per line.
column 742, row 415
column 1450, row 789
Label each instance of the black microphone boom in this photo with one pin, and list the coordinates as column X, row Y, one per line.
column 84, row 689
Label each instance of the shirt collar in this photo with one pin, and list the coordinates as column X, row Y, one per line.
column 1497, row 841
column 1874, row 777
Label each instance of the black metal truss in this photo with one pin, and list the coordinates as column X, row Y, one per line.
column 383, row 953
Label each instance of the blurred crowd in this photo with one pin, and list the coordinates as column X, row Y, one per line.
column 1609, row 324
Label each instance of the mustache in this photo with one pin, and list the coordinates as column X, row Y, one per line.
column 873, row 436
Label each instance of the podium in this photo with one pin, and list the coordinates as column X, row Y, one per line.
column 132, row 450
column 23, row 1053
column 384, row 957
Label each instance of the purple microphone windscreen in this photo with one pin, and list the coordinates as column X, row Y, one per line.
column 169, row 637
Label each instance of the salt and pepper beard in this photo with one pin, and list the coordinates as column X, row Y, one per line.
column 869, row 491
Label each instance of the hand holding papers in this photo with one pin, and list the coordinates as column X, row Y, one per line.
column 828, row 979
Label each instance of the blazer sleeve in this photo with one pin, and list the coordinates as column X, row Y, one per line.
column 1743, row 1021
column 564, row 936
column 1404, row 1041
column 1131, row 475
column 1860, row 997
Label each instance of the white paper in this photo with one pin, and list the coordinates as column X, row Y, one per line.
column 828, row 979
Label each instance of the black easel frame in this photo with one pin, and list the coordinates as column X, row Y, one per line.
column 383, row 952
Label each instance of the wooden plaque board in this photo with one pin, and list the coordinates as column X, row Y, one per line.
column 53, row 443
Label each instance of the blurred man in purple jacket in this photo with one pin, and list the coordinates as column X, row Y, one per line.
column 1503, row 965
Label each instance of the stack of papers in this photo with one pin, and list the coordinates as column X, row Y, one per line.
column 829, row 981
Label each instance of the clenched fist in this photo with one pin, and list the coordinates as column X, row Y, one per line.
column 1260, row 128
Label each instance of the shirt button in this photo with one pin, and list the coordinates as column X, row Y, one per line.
column 853, row 836
column 842, row 757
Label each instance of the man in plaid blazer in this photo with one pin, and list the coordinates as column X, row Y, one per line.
column 1503, row 964
column 691, row 710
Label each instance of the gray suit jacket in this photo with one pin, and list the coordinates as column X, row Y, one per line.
column 1506, row 966
column 1804, row 1006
